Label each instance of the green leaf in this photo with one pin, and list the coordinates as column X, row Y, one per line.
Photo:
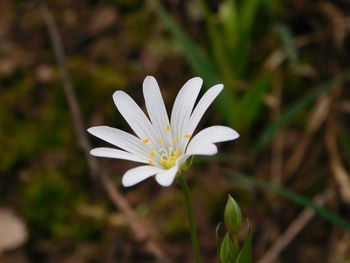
column 217, row 237
column 221, row 51
column 228, row 250
column 197, row 59
column 321, row 211
column 245, row 256
column 286, row 38
column 230, row 21
column 200, row 63
column 247, row 14
column 252, row 102
column 248, row 11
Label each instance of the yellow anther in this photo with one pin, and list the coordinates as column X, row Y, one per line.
column 167, row 128
column 177, row 152
column 176, row 138
column 160, row 140
column 145, row 141
column 150, row 162
column 187, row 136
column 151, row 153
column 169, row 162
column 173, row 157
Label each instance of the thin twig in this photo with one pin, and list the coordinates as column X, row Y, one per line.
column 317, row 118
column 293, row 230
column 139, row 230
column 277, row 146
column 341, row 176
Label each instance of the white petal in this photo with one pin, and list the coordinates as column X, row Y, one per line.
column 155, row 107
column 202, row 107
column 138, row 174
column 184, row 104
column 134, row 116
column 166, row 177
column 115, row 153
column 204, row 149
column 207, row 137
column 121, row 139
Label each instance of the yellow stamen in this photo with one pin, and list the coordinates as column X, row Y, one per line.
column 168, row 163
column 151, row 154
column 176, row 138
column 187, row 136
column 162, row 161
column 145, row 141
column 177, row 152
column 173, row 157
column 167, row 128
column 160, row 140
column 150, row 162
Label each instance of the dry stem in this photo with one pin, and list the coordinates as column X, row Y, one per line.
column 139, row 230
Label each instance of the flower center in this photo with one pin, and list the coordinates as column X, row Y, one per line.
column 168, row 157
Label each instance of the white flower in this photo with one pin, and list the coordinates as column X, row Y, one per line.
column 161, row 144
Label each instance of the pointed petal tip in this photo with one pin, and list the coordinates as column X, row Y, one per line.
column 118, row 93
column 149, row 82
column 149, row 77
column 96, row 130
column 126, row 183
column 93, row 152
column 236, row 135
column 197, row 80
column 167, row 177
column 165, row 183
column 138, row 174
column 219, row 87
column 231, row 134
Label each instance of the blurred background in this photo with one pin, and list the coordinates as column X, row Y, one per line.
column 285, row 66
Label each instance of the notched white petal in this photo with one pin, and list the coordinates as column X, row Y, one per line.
column 156, row 108
column 115, row 153
column 202, row 106
column 133, row 115
column 166, row 177
column 184, row 104
column 138, row 174
column 203, row 149
column 119, row 138
column 210, row 135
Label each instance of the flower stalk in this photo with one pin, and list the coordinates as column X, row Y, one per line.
column 193, row 226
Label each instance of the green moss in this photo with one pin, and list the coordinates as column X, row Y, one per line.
column 49, row 204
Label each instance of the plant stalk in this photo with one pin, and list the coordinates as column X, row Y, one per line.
column 193, row 227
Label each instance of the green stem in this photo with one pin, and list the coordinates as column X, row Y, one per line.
column 193, row 227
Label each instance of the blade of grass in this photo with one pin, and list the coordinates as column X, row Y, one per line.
column 251, row 102
column 248, row 10
column 247, row 13
column 229, row 18
column 221, row 52
column 287, row 41
column 195, row 56
column 215, row 34
column 200, row 63
column 288, row 114
column 321, row 211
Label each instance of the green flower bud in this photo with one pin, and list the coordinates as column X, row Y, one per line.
column 228, row 250
column 232, row 215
